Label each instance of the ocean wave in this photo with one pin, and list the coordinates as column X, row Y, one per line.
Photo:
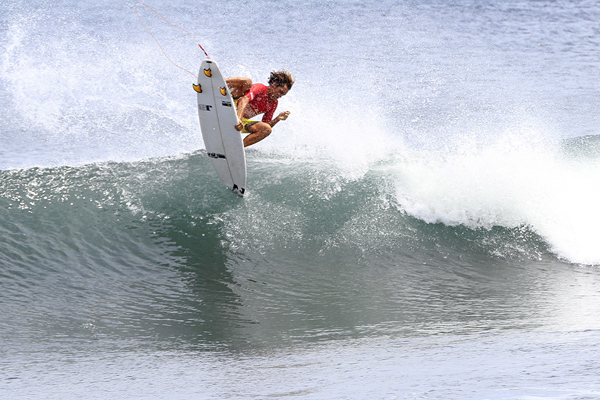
column 293, row 211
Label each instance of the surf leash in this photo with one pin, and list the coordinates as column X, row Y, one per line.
column 156, row 40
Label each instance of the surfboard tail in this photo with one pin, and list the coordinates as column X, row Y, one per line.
column 238, row 190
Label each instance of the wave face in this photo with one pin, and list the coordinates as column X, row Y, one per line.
column 296, row 209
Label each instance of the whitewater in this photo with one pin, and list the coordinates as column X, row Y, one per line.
column 424, row 225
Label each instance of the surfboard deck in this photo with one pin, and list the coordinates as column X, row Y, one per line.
column 218, row 118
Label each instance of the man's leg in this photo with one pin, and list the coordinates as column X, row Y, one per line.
column 238, row 86
column 258, row 131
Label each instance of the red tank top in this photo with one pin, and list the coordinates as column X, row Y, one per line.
column 260, row 103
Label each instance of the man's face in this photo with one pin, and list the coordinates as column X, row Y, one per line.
column 277, row 92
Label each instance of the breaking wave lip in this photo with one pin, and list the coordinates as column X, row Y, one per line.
column 549, row 188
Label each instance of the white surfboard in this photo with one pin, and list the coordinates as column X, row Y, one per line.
column 218, row 118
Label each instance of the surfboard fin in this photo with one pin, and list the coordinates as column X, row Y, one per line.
column 208, row 72
column 197, row 88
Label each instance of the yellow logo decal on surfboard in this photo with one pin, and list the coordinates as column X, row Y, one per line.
column 223, row 91
column 208, row 72
column 197, row 88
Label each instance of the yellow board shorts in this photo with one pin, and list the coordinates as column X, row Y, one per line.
column 247, row 122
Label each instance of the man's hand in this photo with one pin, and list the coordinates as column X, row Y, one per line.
column 283, row 116
column 239, row 126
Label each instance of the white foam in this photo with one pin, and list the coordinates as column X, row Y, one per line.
column 92, row 97
column 518, row 180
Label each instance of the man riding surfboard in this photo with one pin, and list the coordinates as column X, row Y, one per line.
column 254, row 99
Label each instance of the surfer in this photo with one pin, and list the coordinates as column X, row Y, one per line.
column 254, row 99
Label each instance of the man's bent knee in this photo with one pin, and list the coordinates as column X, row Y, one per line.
column 261, row 128
column 258, row 132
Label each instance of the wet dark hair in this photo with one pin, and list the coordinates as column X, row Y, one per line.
column 281, row 78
